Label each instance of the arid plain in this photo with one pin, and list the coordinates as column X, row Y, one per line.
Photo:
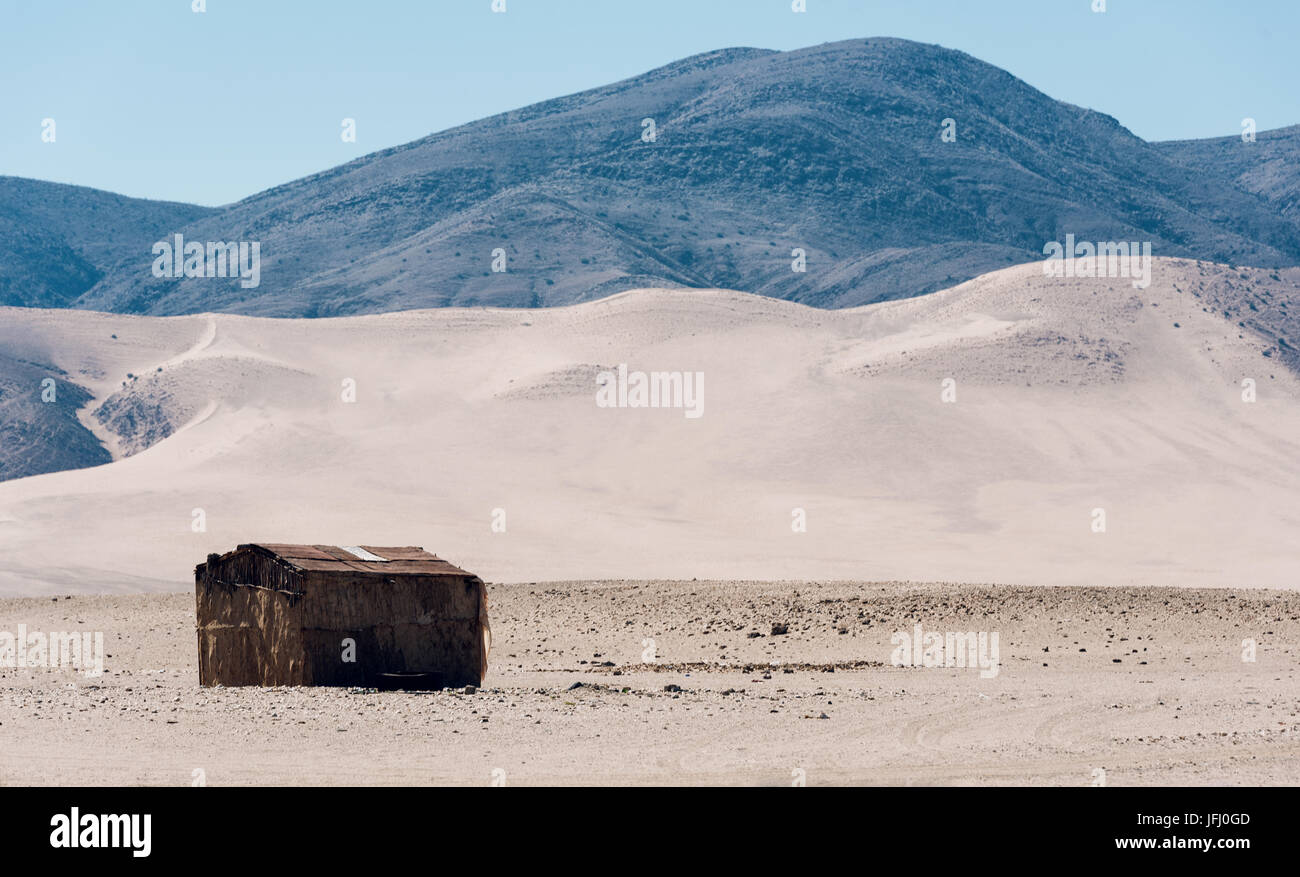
column 1114, row 686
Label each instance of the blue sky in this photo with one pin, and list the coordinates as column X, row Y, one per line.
column 153, row 100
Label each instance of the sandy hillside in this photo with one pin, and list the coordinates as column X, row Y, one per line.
column 1147, row 686
column 1072, row 395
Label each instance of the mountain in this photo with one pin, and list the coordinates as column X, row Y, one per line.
column 834, row 150
column 39, row 428
column 56, row 241
column 1268, row 167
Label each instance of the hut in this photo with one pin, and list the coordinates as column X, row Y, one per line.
column 274, row 614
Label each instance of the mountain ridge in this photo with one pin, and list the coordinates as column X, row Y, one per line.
column 833, row 150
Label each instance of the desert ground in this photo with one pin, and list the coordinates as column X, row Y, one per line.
column 1147, row 686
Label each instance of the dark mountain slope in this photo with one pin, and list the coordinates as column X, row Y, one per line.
column 38, row 436
column 56, row 240
column 1269, row 167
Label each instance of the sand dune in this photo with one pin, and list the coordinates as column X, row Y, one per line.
column 1071, row 395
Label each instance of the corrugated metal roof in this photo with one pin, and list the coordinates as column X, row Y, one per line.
column 406, row 560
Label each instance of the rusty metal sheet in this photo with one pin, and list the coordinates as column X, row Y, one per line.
column 290, row 552
column 392, row 568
